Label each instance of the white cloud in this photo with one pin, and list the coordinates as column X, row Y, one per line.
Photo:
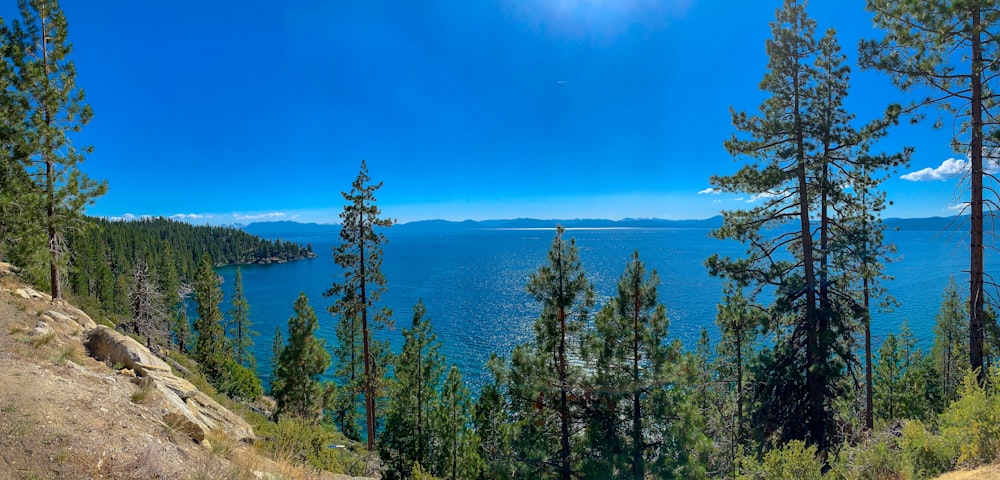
column 260, row 216
column 189, row 216
column 709, row 190
column 959, row 207
column 763, row 196
column 948, row 168
column 128, row 217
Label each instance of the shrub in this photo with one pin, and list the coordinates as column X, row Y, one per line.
column 793, row 461
column 874, row 460
column 240, row 382
column 929, row 453
column 305, row 442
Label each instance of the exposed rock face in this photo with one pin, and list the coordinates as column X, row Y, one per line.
column 187, row 408
column 110, row 346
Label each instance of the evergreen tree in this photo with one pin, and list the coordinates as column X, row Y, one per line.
column 46, row 78
column 15, row 191
column 493, row 424
column 638, row 382
column 543, row 383
column 211, row 349
column 949, row 49
column 457, row 444
column 360, row 257
column 181, row 326
column 809, row 151
column 296, row 386
column 240, row 326
column 950, row 348
column 414, row 394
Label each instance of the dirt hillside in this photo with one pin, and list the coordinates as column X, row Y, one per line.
column 64, row 414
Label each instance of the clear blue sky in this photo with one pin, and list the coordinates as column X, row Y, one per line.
column 222, row 111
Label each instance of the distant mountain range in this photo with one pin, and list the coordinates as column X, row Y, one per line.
column 290, row 228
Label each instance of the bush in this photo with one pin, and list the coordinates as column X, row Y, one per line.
column 240, row 382
column 305, row 442
column 973, row 422
column 929, row 453
column 793, row 461
column 874, row 460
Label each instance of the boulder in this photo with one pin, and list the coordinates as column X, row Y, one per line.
column 41, row 328
column 74, row 314
column 31, row 293
column 112, row 347
column 196, row 412
column 187, row 408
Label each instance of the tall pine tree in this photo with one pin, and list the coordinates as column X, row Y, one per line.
column 947, row 51
column 360, row 257
column 240, row 327
column 46, row 78
column 544, row 383
column 211, row 348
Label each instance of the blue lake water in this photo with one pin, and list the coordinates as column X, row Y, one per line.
column 473, row 284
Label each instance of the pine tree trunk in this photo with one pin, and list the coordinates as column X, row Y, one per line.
column 976, row 268
column 369, row 373
column 637, row 465
column 565, row 471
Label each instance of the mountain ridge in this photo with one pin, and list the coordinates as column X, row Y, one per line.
column 289, row 227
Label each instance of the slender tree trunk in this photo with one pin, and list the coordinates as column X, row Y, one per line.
column 976, row 268
column 420, row 404
column 50, row 180
column 814, row 380
column 638, row 470
column 565, row 471
column 369, row 373
column 869, row 401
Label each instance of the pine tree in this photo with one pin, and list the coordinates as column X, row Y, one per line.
column 240, row 327
column 211, row 349
column 949, row 349
column 414, row 394
column 46, row 78
column 639, row 383
column 295, row 380
column 949, row 49
column 181, row 326
column 457, row 454
column 543, row 382
column 16, row 196
column 809, row 151
column 360, row 257
column 738, row 322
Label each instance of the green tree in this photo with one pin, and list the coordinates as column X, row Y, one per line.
column 414, row 394
column 457, row 454
column 15, row 185
column 543, row 382
column 240, row 327
column 46, row 78
column 638, row 383
column 181, row 326
column 948, row 50
column 360, row 257
column 807, row 151
column 296, row 386
column 950, row 347
column 211, row 349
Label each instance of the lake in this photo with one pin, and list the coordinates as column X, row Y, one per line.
column 472, row 283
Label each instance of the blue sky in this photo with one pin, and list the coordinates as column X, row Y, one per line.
column 226, row 111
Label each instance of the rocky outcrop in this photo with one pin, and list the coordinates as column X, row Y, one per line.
column 112, row 347
column 187, row 408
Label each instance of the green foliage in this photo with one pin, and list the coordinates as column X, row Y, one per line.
column 360, row 256
column 951, row 336
column 878, row 459
column 295, row 381
column 973, row 421
column 542, row 378
column 456, row 456
column 414, row 394
column 929, row 453
column 211, row 349
column 240, row 328
column 54, row 109
column 240, row 382
column 792, row 461
column 306, row 442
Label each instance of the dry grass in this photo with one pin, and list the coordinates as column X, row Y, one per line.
column 984, row 473
column 145, row 392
